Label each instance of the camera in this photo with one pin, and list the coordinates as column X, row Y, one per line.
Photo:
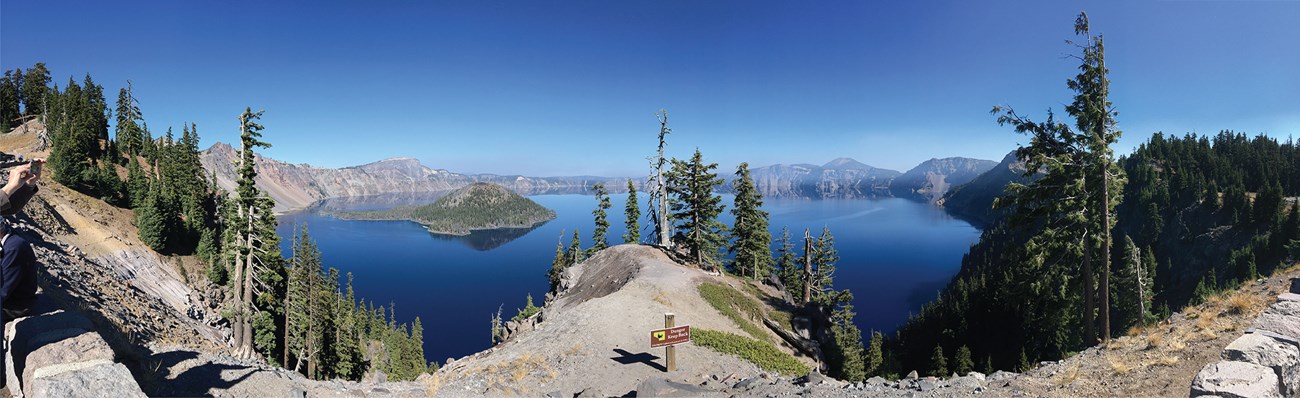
column 7, row 161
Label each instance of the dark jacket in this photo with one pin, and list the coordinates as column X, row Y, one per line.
column 9, row 205
column 17, row 274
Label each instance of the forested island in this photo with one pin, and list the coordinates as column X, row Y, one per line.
column 478, row 206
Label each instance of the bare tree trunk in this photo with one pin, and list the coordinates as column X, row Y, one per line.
column 1105, row 254
column 248, row 286
column 1089, row 325
column 237, row 326
column 664, row 239
column 807, row 267
column 1141, row 287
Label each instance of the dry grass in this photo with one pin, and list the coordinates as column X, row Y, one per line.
column 1118, row 365
column 1133, row 331
column 432, row 384
column 1155, row 340
column 1068, row 376
column 1167, row 360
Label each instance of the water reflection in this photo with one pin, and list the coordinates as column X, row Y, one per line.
column 488, row 239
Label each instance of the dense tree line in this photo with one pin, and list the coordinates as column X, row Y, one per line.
column 328, row 334
column 1197, row 215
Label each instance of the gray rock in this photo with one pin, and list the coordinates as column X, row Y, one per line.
column 1231, row 379
column 658, row 387
column 1000, row 376
column 104, row 380
column 912, row 375
column 1282, row 357
column 746, row 383
column 927, row 384
column 1295, row 285
column 877, row 380
column 811, row 379
column 977, row 375
column 1288, row 297
column 965, row 383
column 1282, row 317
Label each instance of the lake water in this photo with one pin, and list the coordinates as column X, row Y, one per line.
column 894, row 255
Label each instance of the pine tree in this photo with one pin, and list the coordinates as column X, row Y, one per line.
column 752, row 247
column 1133, row 288
column 874, row 357
column 938, row 363
column 602, row 225
column 10, row 100
column 150, row 223
column 788, row 266
column 1077, row 188
column 847, row 356
column 35, row 89
column 633, row 213
column 558, row 265
column 824, row 257
column 254, row 249
column 575, row 250
column 302, row 310
column 696, row 208
column 964, row 365
column 128, row 132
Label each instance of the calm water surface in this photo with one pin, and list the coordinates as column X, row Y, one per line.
column 894, row 254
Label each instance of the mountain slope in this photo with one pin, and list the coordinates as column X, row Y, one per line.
column 973, row 201
column 839, row 178
column 294, row 186
column 931, row 179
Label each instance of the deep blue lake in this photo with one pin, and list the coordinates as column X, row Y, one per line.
column 894, row 255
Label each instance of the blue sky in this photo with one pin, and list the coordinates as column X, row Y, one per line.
column 568, row 88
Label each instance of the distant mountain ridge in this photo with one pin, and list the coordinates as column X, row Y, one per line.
column 933, row 178
column 294, row 186
column 839, row 178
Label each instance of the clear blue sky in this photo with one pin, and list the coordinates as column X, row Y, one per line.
column 567, row 88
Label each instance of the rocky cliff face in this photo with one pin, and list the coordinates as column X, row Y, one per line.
column 973, row 201
column 931, row 179
column 839, row 178
column 295, row 186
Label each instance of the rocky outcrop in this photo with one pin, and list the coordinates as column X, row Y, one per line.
column 931, row 179
column 56, row 353
column 295, row 186
column 839, row 178
column 1265, row 362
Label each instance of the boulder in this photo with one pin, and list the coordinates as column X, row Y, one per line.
column 105, row 379
column 57, row 356
column 1280, row 356
column 912, row 375
column 1283, row 317
column 1232, row 379
column 1295, row 285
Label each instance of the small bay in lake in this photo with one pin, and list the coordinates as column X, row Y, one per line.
column 895, row 254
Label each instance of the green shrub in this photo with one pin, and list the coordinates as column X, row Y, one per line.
column 528, row 310
column 732, row 303
column 760, row 353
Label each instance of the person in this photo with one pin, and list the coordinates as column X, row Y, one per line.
column 17, row 273
column 17, row 259
column 20, row 188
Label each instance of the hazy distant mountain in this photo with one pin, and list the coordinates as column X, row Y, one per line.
column 294, row 186
column 973, row 201
column 931, row 179
column 839, row 178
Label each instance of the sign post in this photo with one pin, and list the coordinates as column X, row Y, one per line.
column 670, row 336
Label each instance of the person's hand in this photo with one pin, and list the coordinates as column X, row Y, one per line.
column 17, row 177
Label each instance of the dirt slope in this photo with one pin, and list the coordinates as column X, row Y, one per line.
column 596, row 336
